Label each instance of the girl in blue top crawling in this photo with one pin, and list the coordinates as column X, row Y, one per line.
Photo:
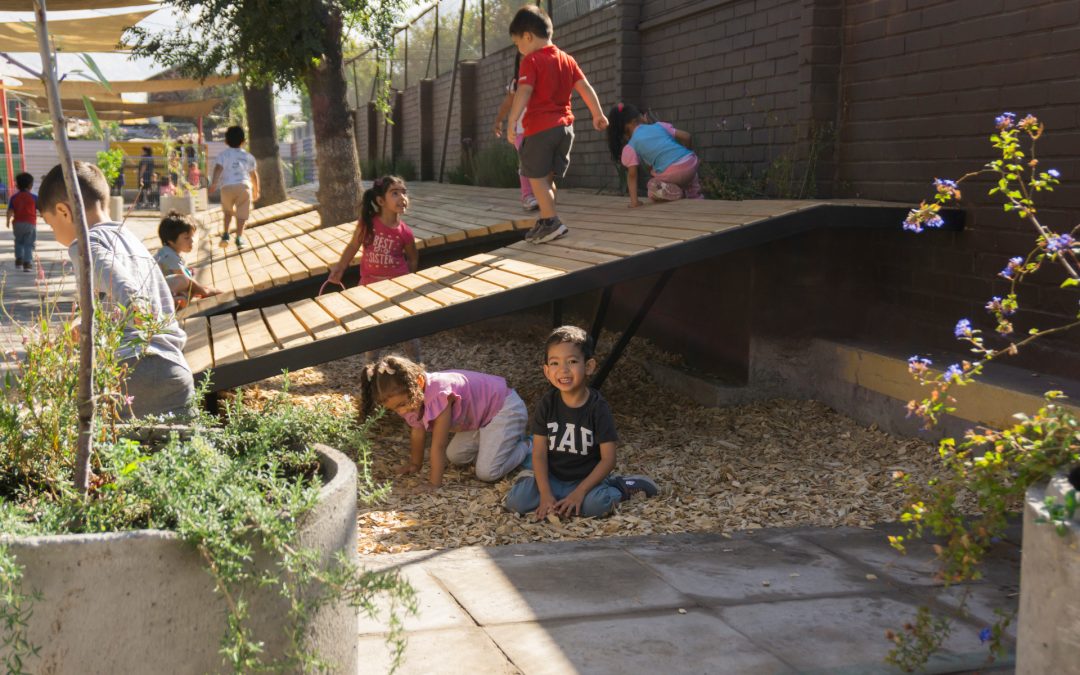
column 634, row 140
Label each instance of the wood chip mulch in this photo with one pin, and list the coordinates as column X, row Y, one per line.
column 778, row 463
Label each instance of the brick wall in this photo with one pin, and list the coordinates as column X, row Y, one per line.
column 727, row 72
column 922, row 84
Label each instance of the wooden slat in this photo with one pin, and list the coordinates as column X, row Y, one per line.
column 285, row 327
column 374, row 304
column 459, row 282
column 316, row 319
column 254, row 333
column 347, row 313
column 227, row 345
column 412, row 301
column 197, row 349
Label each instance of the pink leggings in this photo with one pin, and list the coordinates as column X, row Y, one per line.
column 682, row 174
column 526, row 186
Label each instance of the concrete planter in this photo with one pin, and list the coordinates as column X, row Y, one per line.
column 143, row 602
column 116, row 209
column 1048, row 637
column 184, row 205
column 202, row 199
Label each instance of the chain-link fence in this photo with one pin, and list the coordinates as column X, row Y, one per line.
column 425, row 47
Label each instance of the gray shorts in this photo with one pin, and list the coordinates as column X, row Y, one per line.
column 158, row 386
column 547, row 152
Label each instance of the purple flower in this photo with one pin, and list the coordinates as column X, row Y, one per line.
column 1012, row 268
column 912, row 225
column 1053, row 173
column 1058, row 242
column 934, row 221
column 954, row 373
column 963, row 328
column 1004, row 120
column 918, row 364
column 985, row 635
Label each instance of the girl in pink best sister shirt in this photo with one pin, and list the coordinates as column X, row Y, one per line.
column 487, row 417
column 389, row 248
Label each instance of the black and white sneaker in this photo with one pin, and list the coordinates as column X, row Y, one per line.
column 633, row 485
column 547, row 229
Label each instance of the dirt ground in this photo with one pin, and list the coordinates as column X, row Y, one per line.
column 778, row 463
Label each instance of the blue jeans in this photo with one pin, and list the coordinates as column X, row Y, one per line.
column 25, row 238
column 524, row 496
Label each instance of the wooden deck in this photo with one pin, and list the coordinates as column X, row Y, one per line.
column 608, row 243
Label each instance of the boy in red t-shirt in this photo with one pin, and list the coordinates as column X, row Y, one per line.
column 22, row 211
column 547, row 77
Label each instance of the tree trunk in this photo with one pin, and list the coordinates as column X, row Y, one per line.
column 339, row 171
column 262, row 131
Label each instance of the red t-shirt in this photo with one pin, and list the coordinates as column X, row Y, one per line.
column 552, row 73
column 384, row 257
column 24, row 205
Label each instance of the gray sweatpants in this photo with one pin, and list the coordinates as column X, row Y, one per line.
column 158, row 386
column 498, row 448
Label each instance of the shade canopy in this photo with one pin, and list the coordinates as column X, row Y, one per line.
column 99, row 34
column 76, row 88
column 65, row 5
column 124, row 110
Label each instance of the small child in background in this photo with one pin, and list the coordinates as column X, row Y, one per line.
column 234, row 172
column 22, row 216
column 155, row 191
column 486, row 417
column 194, row 176
column 574, row 438
column 546, row 79
column 528, row 200
column 167, row 188
column 633, row 140
column 177, row 234
column 389, row 248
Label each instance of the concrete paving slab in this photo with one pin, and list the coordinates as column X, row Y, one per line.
column 844, row 635
column 871, row 549
column 983, row 602
column 459, row 651
column 654, row 642
column 742, row 570
column 575, row 584
column 437, row 608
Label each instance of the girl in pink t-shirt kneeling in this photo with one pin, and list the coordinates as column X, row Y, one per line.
column 487, row 417
column 389, row 248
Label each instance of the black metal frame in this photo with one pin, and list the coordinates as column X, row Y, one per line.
column 631, row 330
column 822, row 216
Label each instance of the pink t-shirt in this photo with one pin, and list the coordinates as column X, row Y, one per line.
column 479, row 398
column 384, row 257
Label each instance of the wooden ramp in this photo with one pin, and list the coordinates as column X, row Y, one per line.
column 608, row 243
column 293, row 249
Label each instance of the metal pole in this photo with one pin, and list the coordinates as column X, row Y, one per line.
column 406, row 58
column 483, row 28
column 453, row 82
column 436, row 41
column 624, row 339
column 22, row 143
column 356, row 87
column 7, row 140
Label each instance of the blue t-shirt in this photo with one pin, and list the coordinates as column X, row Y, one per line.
column 656, row 146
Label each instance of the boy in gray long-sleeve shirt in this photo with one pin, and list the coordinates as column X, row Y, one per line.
column 125, row 275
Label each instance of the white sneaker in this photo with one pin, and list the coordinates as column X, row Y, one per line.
column 529, row 203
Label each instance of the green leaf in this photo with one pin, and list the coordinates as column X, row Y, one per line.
column 92, row 114
column 1070, row 282
column 98, row 75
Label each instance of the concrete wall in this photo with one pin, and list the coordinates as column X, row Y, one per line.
column 163, row 613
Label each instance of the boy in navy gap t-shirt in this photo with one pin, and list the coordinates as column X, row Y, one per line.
column 574, row 440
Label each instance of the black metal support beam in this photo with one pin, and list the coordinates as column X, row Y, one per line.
column 600, row 315
column 631, row 330
column 822, row 216
column 556, row 312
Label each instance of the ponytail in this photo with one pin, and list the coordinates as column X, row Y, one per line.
column 619, row 116
column 369, row 206
column 389, row 376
